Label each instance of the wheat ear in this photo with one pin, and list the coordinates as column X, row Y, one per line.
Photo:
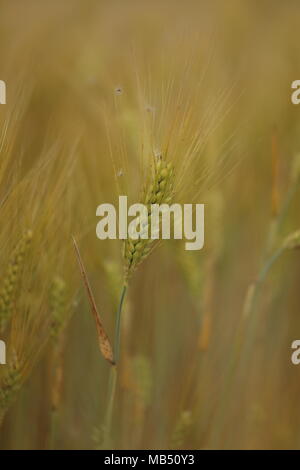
column 159, row 191
column 11, row 279
column 10, row 384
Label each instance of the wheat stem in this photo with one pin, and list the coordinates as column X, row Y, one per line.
column 110, row 406
column 113, row 371
column 118, row 326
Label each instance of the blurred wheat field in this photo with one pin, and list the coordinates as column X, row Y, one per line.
column 95, row 89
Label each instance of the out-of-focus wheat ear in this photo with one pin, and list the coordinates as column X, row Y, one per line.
column 58, row 309
column 181, row 430
column 57, row 379
column 57, row 306
column 104, row 343
column 10, row 384
column 11, row 279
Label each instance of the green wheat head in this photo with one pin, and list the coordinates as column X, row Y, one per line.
column 159, row 191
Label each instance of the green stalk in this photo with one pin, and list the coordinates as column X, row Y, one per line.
column 113, row 373
column 118, row 326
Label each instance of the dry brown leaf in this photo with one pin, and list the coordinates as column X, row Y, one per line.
column 104, row 343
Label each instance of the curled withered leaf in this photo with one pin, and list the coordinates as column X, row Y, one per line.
column 104, row 343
